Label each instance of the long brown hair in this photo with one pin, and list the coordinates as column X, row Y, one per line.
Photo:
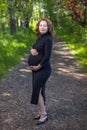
column 49, row 24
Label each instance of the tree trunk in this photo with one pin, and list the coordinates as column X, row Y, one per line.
column 12, row 17
column 3, row 27
column 12, row 26
column 26, row 22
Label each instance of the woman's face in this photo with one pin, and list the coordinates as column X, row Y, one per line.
column 43, row 28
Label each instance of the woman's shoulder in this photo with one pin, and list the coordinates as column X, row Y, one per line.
column 47, row 37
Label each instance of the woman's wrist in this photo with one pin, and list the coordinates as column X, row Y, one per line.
column 39, row 66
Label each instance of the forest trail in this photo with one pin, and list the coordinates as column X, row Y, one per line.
column 66, row 94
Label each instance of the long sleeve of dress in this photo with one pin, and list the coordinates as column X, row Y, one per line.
column 47, row 51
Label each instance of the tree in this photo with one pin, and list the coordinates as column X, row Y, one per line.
column 24, row 11
column 12, row 17
column 4, row 16
column 78, row 10
column 15, row 13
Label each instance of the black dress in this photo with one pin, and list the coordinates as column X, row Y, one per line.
column 44, row 47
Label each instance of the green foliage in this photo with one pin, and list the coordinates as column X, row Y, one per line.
column 76, row 39
column 13, row 48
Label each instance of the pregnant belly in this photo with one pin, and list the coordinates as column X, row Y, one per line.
column 34, row 60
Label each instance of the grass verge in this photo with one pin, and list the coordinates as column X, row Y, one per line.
column 13, row 48
column 76, row 40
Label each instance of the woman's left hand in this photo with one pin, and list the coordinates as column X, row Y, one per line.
column 35, row 68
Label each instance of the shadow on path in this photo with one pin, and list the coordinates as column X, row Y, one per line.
column 66, row 96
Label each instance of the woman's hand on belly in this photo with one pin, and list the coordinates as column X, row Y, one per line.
column 34, row 52
column 35, row 68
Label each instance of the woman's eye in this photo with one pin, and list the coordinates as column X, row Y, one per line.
column 43, row 26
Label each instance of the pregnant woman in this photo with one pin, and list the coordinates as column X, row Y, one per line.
column 39, row 63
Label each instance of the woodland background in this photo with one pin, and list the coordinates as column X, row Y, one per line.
column 17, row 24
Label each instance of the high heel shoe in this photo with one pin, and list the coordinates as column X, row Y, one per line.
column 37, row 117
column 43, row 119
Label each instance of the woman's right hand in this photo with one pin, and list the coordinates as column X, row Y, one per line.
column 34, row 52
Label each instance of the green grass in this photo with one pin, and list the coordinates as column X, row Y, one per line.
column 76, row 40
column 13, row 48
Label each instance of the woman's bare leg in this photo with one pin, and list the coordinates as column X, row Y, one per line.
column 41, row 104
column 43, row 112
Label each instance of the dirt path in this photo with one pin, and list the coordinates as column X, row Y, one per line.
column 66, row 96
